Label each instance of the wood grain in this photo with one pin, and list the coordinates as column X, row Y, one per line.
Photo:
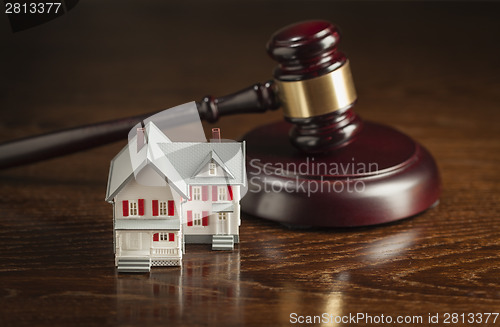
column 429, row 69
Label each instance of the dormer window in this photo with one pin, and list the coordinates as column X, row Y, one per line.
column 212, row 169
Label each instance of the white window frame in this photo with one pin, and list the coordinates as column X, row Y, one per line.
column 196, row 193
column 164, row 237
column 221, row 193
column 133, row 208
column 212, row 169
column 163, row 208
column 223, row 215
column 197, row 219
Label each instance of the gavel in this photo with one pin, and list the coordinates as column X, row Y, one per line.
column 312, row 84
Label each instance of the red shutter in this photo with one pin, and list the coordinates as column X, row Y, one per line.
column 204, row 193
column 214, row 193
column 155, row 207
column 190, row 193
column 141, row 207
column 230, row 192
column 125, row 208
column 190, row 218
column 205, row 218
column 171, row 206
column 171, row 237
column 156, row 237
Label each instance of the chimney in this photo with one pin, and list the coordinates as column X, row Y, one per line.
column 215, row 135
column 140, row 139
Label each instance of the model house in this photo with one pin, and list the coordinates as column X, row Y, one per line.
column 166, row 194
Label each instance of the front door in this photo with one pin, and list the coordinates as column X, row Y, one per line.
column 135, row 243
column 223, row 223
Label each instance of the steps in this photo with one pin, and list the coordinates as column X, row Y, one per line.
column 223, row 242
column 134, row 265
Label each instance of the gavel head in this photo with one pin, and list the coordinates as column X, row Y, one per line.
column 314, row 85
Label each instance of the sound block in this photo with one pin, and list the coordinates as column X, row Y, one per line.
column 379, row 176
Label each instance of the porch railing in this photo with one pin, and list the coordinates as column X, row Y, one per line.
column 164, row 251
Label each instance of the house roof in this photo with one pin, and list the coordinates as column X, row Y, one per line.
column 177, row 162
column 222, row 207
column 154, row 224
column 189, row 158
column 129, row 162
column 120, row 173
column 212, row 156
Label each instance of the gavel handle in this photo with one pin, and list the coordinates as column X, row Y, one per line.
column 254, row 99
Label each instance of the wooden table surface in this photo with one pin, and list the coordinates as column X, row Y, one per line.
column 429, row 69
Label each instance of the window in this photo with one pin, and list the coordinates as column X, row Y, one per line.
column 197, row 219
column 222, row 215
column 163, row 208
column 222, row 193
column 200, row 219
column 170, row 237
column 197, row 193
column 132, row 209
column 212, row 169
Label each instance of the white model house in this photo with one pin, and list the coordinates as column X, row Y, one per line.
column 166, row 194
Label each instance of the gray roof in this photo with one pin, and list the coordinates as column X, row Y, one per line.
column 141, row 224
column 188, row 158
column 223, row 207
column 121, row 169
column 212, row 156
column 178, row 162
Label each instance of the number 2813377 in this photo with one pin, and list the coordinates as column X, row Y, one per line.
column 32, row 7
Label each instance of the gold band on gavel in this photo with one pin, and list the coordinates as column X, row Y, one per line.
column 319, row 95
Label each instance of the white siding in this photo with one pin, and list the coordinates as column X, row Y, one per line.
column 134, row 191
column 213, row 220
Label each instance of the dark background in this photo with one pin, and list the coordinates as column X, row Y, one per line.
column 430, row 69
